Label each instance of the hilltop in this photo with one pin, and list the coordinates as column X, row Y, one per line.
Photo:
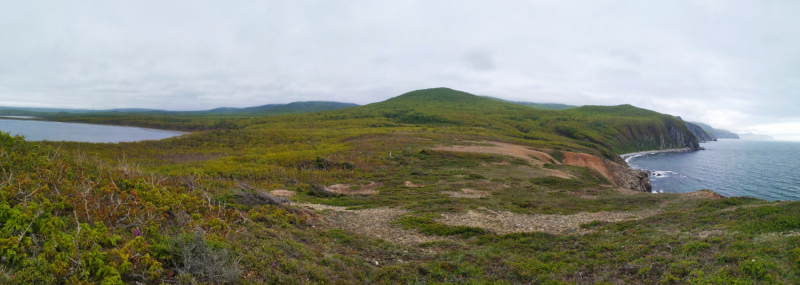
column 432, row 186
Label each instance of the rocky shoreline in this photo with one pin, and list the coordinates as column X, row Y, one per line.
column 628, row 156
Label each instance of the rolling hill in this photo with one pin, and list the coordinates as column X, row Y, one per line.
column 434, row 186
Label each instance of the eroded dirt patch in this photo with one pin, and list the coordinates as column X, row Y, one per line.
column 468, row 193
column 372, row 222
column 282, row 193
column 589, row 161
column 503, row 222
column 349, row 189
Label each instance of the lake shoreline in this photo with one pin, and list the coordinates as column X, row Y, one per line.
column 40, row 119
column 42, row 130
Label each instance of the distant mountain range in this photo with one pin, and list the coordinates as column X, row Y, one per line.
column 540, row 106
column 717, row 133
column 752, row 136
column 270, row 109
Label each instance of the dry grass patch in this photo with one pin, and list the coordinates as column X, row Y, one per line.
column 349, row 189
column 282, row 193
column 504, row 222
column 468, row 193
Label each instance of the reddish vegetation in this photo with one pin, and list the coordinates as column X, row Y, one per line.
column 590, row 161
column 617, row 174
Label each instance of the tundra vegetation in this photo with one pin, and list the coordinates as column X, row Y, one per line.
column 195, row 209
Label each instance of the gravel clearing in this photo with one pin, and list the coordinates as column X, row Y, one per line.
column 372, row 222
column 504, row 222
column 468, row 193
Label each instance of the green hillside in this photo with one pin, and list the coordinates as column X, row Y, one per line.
column 380, row 194
column 596, row 129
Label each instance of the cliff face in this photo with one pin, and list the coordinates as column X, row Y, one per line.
column 626, row 176
column 681, row 135
column 619, row 174
column 702, row 135
column 666, row 132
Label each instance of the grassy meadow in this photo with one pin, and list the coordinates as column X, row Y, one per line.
column 182, row 210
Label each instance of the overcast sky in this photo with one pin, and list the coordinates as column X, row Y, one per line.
column 732, row 64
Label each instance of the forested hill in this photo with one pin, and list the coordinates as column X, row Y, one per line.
column 283, row 109
column 269, row 109
column 595, row 129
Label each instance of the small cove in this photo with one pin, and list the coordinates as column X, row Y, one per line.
column 58, row 131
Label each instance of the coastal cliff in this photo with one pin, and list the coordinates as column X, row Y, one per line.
column 717, row 133
column 672, row 134
column 620, row 174
column 700, row 133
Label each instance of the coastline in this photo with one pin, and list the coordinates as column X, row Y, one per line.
column 628, row 156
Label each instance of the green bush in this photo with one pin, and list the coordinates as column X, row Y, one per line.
column 695, row 246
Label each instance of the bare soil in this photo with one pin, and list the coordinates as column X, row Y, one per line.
column 349, row 189
column 282, row 193
column 372, row 222
column 504, row 222
column 468, row 193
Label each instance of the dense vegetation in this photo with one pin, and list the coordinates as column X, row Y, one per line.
column 186, row 209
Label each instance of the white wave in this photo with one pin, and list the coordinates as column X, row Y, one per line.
column 662, row 174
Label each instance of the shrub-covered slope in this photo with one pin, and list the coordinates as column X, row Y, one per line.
column 194, row 209
column 596, row 129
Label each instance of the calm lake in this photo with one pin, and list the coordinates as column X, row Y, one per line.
column 754, row 168
column 57, row 131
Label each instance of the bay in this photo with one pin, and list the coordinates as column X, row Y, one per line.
column 754, row 168
column 58, row 131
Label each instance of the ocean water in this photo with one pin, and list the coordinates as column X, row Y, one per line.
column 767, row 170
column 57, row 131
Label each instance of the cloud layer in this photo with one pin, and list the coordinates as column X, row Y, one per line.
column 732, row 64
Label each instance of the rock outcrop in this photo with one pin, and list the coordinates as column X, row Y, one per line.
column 628, row 177
column 681, row 135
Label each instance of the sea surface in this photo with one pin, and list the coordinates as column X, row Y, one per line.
column 57, row 131
column 762, row 169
